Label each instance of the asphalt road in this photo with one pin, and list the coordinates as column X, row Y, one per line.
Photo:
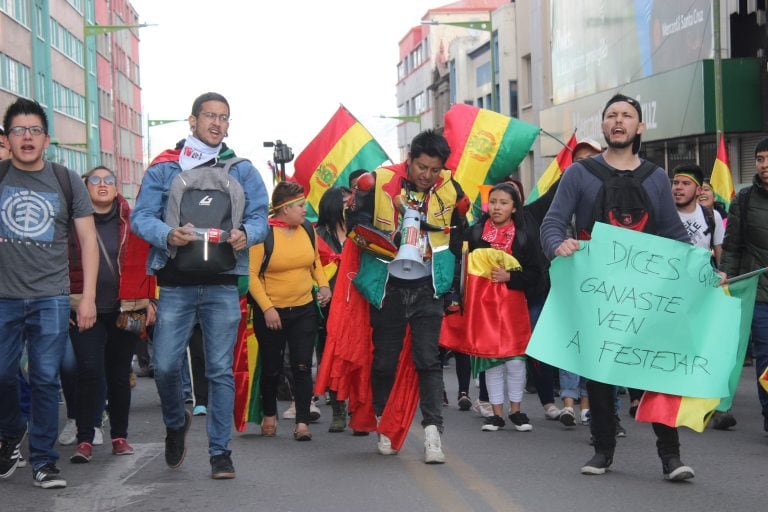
column 505, row 470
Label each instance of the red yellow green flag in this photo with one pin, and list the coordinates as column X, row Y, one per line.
column 676, row 411
column 486, row 147
column 342, row 146
column 247, row 371
column 495, row 321
column 721, row 180
column 553, row 172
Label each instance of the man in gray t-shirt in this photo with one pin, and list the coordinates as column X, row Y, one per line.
column 38, row 203
column 577, row 193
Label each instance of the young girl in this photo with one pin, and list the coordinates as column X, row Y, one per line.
column 496, row 311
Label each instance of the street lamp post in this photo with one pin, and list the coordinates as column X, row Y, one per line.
column 90, row 30
column 486, row 26
column 156, row 122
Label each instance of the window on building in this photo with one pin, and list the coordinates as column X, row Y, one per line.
column 66, row 42
column 14, row 76
column 68, row 102
column 16, row 9
column 489, row 102
column 417, row 57
column 480, row 102
column 514, row 110
column 526, row 71
column 77, row 4
column 483, row 74
column 419, row 105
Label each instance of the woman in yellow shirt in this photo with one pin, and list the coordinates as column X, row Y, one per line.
column 286, row 312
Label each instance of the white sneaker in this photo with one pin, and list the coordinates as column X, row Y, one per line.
column 290, row 412
column 314, row 412
column 384, row 446
column 585, row 417
column 98, row 436
column 68, row 434
column 552, row 412
column 433, row 451
column 484, row 409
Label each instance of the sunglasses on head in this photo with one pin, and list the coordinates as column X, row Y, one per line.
column 98, row 180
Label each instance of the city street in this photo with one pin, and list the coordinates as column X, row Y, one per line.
column 505, row 470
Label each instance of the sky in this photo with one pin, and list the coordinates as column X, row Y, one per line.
column 283, row 66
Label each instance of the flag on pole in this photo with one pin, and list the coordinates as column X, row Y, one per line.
column 486, row 147
column 342, row 146
column 721, row 180
column 563, row 159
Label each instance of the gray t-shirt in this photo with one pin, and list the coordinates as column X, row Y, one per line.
column 577, row 193
column 34, row 228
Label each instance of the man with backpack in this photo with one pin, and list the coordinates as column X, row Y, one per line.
column 40, row 202
column 619, row 188
column 745, row 248
column 200, row 208
column 704, row 225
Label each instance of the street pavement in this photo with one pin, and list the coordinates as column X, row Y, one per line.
column 505, row 470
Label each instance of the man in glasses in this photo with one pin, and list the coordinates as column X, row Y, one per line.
column 39, row 201
column 188, row 297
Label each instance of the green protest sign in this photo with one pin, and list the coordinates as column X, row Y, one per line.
column 642, row 311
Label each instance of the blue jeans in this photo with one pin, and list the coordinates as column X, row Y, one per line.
column 217, row 308
column 43, row 323
column 572, row 385
column 760, row 348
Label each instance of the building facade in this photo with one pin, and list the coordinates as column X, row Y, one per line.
column 61, row 54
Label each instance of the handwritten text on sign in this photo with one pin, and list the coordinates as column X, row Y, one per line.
column 642, row 311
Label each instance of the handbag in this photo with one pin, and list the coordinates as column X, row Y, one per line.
column 133, row 312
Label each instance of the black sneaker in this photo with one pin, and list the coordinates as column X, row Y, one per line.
column 49, row 477
column 175, row 450
column 723, row 421
column 221, row 467
column 674, row 469
column 493, row 424
column 620, row 431
column 567, row 417
column 464, row 402
column 9, row 456
column 597, row 465
column 520, row 421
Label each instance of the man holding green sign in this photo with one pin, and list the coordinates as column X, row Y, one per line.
column 619, row 188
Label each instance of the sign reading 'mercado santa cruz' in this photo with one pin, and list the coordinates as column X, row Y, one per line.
column 642, row 311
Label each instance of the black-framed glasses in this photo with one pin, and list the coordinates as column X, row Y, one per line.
column 98, row 180
column 19, row 131
column 224, row 118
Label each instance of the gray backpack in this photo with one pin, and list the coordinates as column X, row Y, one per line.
column 208, row 198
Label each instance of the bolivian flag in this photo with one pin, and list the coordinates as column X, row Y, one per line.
column 563, row 159
column 495, row 321
column 341, row 147
column 676, row 411
column 486, row 147
column 721, row 180
column 247, row 371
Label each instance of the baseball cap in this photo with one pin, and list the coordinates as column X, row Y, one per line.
column 586, row 142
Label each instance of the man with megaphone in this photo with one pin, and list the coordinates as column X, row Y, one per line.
column 418, row 208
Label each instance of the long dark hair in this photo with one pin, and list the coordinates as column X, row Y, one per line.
column 331, row 209
column 518, row 217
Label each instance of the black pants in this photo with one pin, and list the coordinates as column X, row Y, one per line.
column 299, row 333
column 463, row 371
column 418, row 309
column 603, row 424
column 197, row 356
column 103, row 351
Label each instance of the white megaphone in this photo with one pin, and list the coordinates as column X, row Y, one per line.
column 408, row 264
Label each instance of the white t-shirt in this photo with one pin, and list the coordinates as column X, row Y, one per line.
column 696, row 225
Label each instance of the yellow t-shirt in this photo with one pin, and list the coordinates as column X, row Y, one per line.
column 292, row 270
